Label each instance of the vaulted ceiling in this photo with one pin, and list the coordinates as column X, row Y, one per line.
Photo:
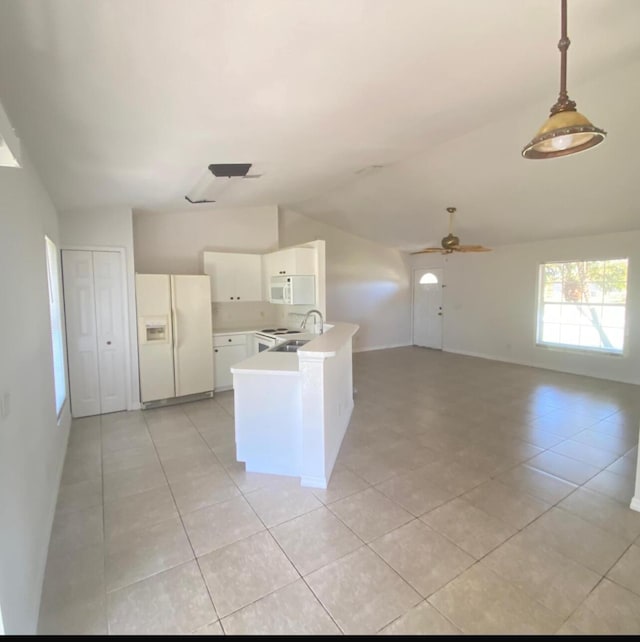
column 371, row 115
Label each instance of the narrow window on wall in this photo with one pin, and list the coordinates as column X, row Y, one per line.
column 55, row 315
column 582, row 305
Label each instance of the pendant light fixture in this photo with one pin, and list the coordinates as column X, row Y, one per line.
column 566, row 131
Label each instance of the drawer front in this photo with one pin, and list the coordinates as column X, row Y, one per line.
column 229, row 340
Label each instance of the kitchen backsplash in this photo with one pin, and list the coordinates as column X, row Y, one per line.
column 293, row 315
column 243, row 314
column 257, row 313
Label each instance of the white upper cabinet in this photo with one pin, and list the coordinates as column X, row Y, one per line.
column 234, row 276
column 293, row 260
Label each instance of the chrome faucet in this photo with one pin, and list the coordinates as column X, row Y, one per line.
column 307, row 315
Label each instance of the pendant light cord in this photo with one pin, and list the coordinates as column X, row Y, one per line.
column 564, row 103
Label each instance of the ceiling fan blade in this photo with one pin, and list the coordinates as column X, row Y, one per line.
column 428, row 250
column 472, row 248
column 451, row 243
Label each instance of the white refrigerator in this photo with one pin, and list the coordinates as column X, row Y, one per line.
column 175, row 344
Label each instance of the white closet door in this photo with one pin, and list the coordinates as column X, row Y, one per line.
column 109, row 299
column 82, row 342
column 95, row 314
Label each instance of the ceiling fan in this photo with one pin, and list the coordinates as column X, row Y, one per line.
column 451, row 243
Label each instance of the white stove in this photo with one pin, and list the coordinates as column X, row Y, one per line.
column 269, row 337
column 277, row 331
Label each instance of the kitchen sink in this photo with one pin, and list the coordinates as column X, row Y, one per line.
column 290, row 346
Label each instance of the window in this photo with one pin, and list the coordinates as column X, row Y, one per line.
column 55, row 315
column 427, row 278
column 582, row 305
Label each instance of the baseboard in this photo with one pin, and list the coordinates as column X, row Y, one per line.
column 172, row 401
column 385, row 347
column 482, row 355
column 530, row 364
column 313, row 482
column 635, row 504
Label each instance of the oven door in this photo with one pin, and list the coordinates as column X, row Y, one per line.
column 277, row 293
column 264, row 342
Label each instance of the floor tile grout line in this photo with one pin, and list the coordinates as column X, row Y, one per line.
column 265, row 529
column 300, row 577
column 518, row 532
column 275, row 540
column 492, row 476
column 597, row 584
column 184, row 529
column 422, row 598
column 182, row 523
column 104, row 537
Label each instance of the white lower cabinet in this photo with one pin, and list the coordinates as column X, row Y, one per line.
column 228, row 349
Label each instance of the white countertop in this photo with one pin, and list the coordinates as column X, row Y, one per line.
column 275, row 363
column 287, row 363
column 328, row 344
column 250, row 330
column 236, row 330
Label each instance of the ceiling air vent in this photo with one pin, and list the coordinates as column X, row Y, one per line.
column 217, row 178
column 228, row 170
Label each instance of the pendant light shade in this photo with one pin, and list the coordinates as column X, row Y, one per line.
column 566, row 131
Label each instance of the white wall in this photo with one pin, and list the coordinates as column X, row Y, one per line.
column 366, row 283
column 109, row 228
column 490, row 304
column 32, row 442
column 173, row 242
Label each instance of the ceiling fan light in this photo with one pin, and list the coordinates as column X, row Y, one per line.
column 565, row 132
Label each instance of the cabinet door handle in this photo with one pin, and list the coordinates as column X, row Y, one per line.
column 229, row 340
column 238, row 298
column 231, row 298
column 216, row 350
column 108, row 343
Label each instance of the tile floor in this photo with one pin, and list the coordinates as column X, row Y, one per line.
column 469, row 496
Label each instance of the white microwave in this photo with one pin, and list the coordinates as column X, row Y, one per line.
column 293, row 290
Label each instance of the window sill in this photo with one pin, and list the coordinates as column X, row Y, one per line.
column 553, row 347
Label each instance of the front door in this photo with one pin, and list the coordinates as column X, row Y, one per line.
column 427, row 307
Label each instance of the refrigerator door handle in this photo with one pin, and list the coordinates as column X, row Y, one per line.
column 174, row 323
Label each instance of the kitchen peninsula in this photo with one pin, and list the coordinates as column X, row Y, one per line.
column 292, row 408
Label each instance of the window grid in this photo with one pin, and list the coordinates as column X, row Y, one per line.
column 582, row 305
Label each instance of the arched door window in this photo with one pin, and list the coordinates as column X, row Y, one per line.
column 428, row 278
